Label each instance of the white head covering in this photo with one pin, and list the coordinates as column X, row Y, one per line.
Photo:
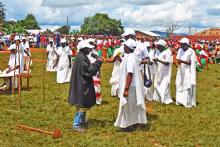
column 17, row 38
column 91, row 40
column 23, row 38
column 161, row 42
column 84, row 44
column 80, row 39
column 128, row 31
column 131, row 44
column 63, row 40
column 184, row 40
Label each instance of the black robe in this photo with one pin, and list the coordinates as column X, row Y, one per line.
column 82, row 91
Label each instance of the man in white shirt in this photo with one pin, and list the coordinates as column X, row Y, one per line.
column 186, row 75
column 12, row 70
column 27, row 53
column 132, row 111
column 163, row 74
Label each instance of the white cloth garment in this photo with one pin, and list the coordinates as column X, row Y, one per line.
column 12, row 63
column 26, row 47
column 115, row 72
column 20, row 55
column 52, row 57
column 96, row 78
column 63, row 70
column 132, row 109
column 141, row 52
column 162, row 78
column 150, row 91
column 186, row 79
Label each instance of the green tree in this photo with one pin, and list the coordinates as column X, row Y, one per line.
column 2, row 15
column 101, row 24
column 30, row 23
column 14, row 27
column 64, row 30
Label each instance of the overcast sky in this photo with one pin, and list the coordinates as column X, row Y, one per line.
column 138, row 14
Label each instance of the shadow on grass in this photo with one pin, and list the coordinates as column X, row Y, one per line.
column 110, row 123
column 100, row 123
column 105, row 102
column 9, row 92
column 150, row 119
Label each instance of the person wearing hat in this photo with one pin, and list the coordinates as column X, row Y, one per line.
column 27, row 52
column 163, row 72
column 82, row 91
column 63, row 62
column 51, row 56
column 140, row 50
column 20, row 52
column 97, row 77
column 132, row 110
column 186, row 75
column 12, row 70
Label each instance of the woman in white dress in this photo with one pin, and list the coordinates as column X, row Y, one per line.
column 163, row 74
column 51, row 57
column 64, row 62
column 186, row 75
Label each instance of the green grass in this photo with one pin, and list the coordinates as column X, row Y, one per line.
column 168, row 125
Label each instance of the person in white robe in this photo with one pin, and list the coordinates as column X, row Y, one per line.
column 51, row 57
column 186, row 75
column 13, row 69
column 132, row 110
column 63, row 62
column 27, row 53
column 117, row 59
column 150, row 73
column 142, row 52
column 20, row 52
column 163, row 74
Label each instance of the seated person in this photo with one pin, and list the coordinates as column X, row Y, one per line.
column 12, row 70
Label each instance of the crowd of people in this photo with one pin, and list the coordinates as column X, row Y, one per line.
column 142, row 70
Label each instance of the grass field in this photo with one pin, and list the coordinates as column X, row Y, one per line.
column 168, row 125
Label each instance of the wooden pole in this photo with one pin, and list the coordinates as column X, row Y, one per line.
column 19, row 78
column 43, row 78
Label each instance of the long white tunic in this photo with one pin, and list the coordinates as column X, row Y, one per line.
column 141, row 52
column 132, row 109
column 63, row 70
column 186, row 79
column 115, row 72
column 162, row 78
column 52, row 57
column 150, row 91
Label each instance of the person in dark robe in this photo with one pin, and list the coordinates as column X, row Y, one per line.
column 82, row 92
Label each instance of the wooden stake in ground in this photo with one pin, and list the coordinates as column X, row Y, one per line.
column 19, row 78
column 43, row 77
column 56, row 133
